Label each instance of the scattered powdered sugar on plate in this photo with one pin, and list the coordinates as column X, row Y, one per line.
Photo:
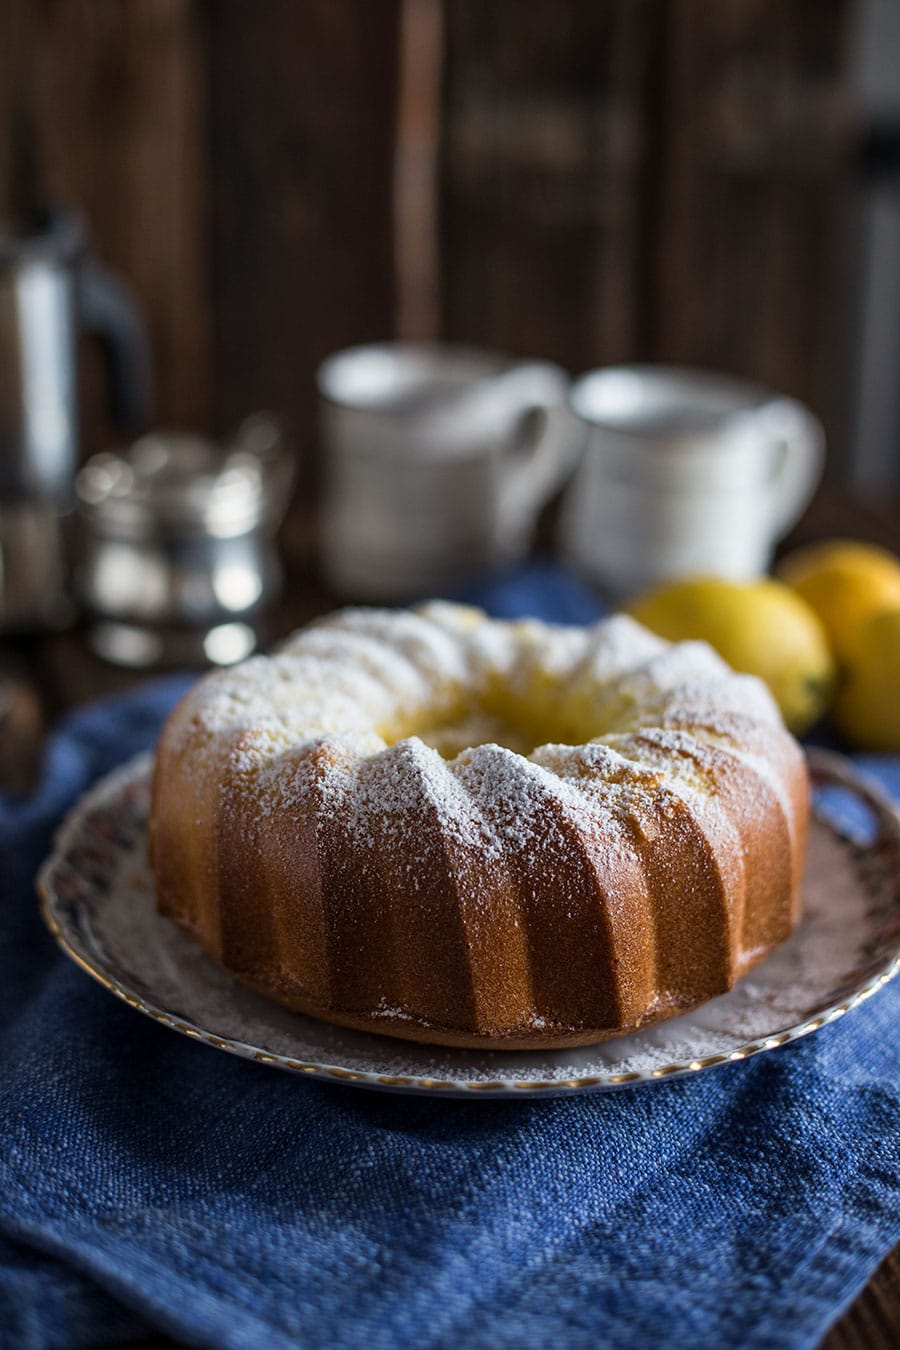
column 98, row 897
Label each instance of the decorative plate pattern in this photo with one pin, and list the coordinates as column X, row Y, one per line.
column 97, row 899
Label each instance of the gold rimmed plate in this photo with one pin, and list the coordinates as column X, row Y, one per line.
column 97, row 899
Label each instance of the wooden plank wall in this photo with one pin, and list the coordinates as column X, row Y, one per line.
column 303, row 117
column 120, row 114
column 754, row 248
column 662, row 180
column 629, row 179
column 546, row 122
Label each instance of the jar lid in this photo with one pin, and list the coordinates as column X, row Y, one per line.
column 171, row 481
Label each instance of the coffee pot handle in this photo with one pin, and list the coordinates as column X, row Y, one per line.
column 547, row 447
column 109, row 311
column 802, row 441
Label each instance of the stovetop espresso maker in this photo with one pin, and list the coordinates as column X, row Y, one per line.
column 51, row 291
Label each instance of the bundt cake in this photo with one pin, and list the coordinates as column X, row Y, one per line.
column 447, row 828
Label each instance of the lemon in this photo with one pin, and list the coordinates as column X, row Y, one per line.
column 760, row 627
column 867, row 708
column 845, row 583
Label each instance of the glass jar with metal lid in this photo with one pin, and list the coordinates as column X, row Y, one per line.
column 178, row 556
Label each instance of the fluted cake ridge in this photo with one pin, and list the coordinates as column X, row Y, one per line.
column 452, row 828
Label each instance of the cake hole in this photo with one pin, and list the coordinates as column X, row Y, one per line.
column 476, row 727
column 496, row 719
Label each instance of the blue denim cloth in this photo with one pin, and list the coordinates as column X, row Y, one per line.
column 146, row 1181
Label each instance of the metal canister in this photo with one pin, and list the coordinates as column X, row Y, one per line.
column 178, row 554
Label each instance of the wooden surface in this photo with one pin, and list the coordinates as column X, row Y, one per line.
column 119, row 104
column 542, row 202
column 302, row 132
column 752, row 258
column 662, row 180
column 235, row 163
column 873, row 1320
column 593, row 183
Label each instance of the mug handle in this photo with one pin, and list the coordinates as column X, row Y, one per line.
column 802, row 441
column 537, row 462
column 109, row 311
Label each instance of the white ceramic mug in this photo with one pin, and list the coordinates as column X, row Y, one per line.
column 437, row 459
column 683, row 472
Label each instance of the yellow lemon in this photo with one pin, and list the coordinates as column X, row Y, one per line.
column 760, row 627
column 867, row 708
column 845, row 583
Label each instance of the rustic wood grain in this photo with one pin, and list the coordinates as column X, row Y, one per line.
column 416, row 185
column 121, row 100
column 544, row 132
column 873, row 1320
column 752, row 249
column 303, row 125
column 21, row 190
column 22, row 727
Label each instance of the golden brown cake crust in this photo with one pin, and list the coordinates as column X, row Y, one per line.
column 359, row 828
column 402, row 1028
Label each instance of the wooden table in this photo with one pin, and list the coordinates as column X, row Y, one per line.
column 56, row 673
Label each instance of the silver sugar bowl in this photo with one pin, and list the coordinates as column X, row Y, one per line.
column 178, row 559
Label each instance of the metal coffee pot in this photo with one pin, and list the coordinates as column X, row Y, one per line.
column 52, row 290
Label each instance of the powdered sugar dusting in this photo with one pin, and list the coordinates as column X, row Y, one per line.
column 371, row 674
column 847, row 937
column 332, row 735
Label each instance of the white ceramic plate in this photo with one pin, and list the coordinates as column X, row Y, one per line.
column 97, row 898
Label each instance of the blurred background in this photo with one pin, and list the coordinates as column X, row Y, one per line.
column 591, row 183
column 630, row 180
